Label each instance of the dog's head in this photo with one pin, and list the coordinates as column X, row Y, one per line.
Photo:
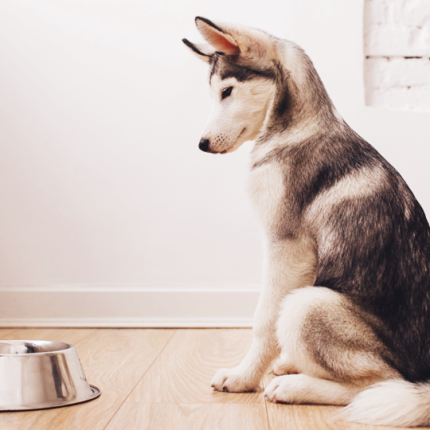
column 242, row 82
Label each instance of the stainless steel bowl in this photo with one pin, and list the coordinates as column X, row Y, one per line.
column 39, row 374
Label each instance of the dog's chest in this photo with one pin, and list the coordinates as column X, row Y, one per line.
column 266, row 187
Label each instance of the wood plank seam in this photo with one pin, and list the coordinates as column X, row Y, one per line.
column 144, row 373
column 267, row 415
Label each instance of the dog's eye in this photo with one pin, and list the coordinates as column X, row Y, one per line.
column 226, row 92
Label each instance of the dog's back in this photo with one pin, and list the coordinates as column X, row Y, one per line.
column 373, row 246
column 373, row 239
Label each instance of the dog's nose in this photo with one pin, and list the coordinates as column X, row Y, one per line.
column 204, row 145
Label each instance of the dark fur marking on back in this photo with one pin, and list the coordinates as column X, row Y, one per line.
column 387, row 271
column 318, row 163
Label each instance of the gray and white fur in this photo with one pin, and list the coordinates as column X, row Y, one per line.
column 345, row 306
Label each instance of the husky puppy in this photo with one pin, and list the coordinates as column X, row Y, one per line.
column 345, row 307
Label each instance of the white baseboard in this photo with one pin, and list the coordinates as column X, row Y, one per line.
column 127, row 306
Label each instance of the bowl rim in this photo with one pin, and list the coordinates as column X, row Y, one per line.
column 68, row 347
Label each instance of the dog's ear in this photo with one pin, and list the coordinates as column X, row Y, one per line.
column 203, row 51
column 221, row 40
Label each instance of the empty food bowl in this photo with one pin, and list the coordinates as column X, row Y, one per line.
column 39, row 374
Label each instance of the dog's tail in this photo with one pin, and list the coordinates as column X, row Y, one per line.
column 394, row 403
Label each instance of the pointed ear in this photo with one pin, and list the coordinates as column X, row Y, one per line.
column 203, row 51
column 217, row 37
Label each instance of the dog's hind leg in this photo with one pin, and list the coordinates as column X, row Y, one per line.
column 337, row 353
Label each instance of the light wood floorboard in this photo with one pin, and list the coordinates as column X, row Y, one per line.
column 160, row 379
column 190, row 416
column 183, row 372
column 6, row 333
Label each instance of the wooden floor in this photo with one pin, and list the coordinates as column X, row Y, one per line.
column 160, row 379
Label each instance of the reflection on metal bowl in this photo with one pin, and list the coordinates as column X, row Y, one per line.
column 39, row 374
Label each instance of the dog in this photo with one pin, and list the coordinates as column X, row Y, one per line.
column 345, row 305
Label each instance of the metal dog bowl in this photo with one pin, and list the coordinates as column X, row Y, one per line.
column 39, row 374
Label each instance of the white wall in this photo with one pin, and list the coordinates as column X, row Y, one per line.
column 101, row 182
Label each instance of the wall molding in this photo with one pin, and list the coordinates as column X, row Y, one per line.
column 95, row 305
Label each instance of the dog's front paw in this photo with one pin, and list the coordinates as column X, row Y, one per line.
column 234, row 381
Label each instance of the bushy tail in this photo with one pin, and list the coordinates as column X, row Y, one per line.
column 395, row 402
